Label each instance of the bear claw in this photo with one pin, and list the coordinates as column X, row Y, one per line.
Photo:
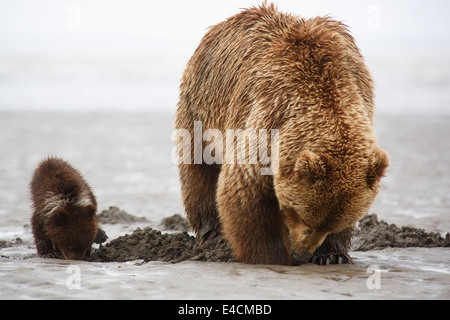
column 331, row 258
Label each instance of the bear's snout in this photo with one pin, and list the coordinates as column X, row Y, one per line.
column 304, row 243
column 73, row 255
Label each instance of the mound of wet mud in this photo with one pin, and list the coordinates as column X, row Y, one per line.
column 175, row 223
column 372, row 234
column 7, row 244
column 151, row 245
column 114, row 216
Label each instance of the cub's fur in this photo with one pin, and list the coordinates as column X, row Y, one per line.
column 64, row 218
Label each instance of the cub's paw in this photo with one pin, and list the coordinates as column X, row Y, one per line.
column 322, row 259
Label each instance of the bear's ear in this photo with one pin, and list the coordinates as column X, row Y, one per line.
column 310, row 167
column 378, row 163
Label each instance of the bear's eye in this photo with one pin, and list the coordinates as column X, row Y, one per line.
column 373, row 182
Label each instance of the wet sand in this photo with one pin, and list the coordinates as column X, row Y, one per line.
column 412, row 273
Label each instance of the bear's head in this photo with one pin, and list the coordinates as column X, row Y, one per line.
column 72, row 230
column 322, row 194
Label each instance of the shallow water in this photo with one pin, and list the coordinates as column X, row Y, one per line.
column 126, row 159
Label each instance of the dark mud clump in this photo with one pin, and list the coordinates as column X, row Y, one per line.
column 114, row 215
column 7, row 244
column 101, row 236
column 152, row 245
column 175, row 223
column 376, row 235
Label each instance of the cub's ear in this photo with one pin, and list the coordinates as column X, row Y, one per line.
column 90, row 210
column 311, row 167
column 378, row 163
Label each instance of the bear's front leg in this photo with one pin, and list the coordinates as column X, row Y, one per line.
column 334, row 250
column 250, row 216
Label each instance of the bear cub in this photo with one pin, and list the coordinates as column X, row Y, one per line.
column 64, row 218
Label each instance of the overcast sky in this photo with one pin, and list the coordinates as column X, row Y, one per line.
column 145, row 44
column 33, row 22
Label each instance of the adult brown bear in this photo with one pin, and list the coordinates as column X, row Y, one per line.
column 262, row 70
